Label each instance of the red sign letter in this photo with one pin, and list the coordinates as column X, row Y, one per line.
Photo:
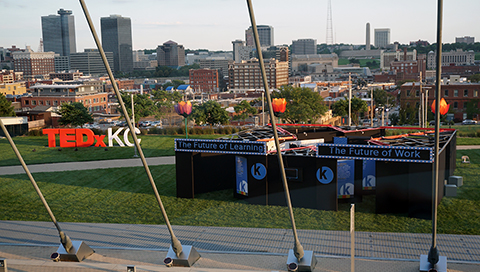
column 79, row 137
column 66, row 135
column 51, row 132
column 99, row 139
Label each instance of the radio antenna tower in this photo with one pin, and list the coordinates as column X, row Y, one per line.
column 329, row 40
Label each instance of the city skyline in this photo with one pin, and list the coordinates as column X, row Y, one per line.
column 214, row 24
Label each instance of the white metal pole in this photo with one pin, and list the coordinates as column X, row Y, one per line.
column 352, row 238
column 133, row 124
column 349, row 100
column 371, row 109
column 263, row 109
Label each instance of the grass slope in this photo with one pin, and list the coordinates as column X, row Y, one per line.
column 152, row 146
column 125, row 196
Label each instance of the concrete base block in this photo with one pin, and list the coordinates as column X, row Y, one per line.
column 450, row 190
column 186, row 259
column 441, row 266
column 307, row 263
column 3, row 265
column 79, row 252
column 455, row 180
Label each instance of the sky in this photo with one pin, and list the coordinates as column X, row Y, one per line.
column 214, row 24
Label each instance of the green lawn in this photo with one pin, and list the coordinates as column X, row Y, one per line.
column 363, row 62
column 34, row 150
column 125, row 196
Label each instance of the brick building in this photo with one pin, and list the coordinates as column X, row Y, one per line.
column 34, row 65
column 457, row 94
column 66, row 75
column 247, row 75
column 55, row 95
column 10, row 76
column 204, row 80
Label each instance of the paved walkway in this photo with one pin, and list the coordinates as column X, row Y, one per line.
column 28, row 245
column 85, row 165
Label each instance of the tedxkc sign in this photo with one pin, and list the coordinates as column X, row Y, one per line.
column 84, row 137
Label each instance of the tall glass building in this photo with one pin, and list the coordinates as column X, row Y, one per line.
column 117, row 38
column 58, row 32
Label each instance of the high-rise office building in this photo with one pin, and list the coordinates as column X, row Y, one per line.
column 304, row 47
column 58, row 32
column 382, row 37
column 246, row 74
column 171, row 54
column 117, row 38
column 90, row 62
column 265, row 35
column 237, row 44
column 367, row 38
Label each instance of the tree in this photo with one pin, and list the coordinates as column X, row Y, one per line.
column 472, row 108
column 244, row 110
column 143, row 106
column 210, row 112
column 303, row 104
column 164, row 101
column 74, row 114
column 474, row 78
column 408, row 115
column 383, row 98
column 6, row 108
column 340, row 108
column 394, row 118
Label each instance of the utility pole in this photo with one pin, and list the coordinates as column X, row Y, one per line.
column 371, row 109
column 349, row 100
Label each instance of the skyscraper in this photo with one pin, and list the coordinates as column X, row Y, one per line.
column 59, row 33
column 367, row 38
column 171, row 54
column 117, row 38
column 304, row 47
column 265, row 35
column 382, row 37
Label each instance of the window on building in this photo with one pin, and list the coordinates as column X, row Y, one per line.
column 27, row 102
column 455, row 93
column 455, row 105
column 465, row 93
column 417, row 93
column 47, row 102
column 446, row 93
column 475, row 93
column 55, row 103
column 408, row 92
column 34, row 102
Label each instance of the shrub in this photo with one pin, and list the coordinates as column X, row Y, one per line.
column 35, row 132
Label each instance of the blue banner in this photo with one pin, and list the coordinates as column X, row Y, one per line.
column 241, row 175
column 368, row 175
column 345, row 178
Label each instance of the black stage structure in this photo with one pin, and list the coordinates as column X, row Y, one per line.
column 324, row 164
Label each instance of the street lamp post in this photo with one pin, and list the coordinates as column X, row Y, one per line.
column 133, row 124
